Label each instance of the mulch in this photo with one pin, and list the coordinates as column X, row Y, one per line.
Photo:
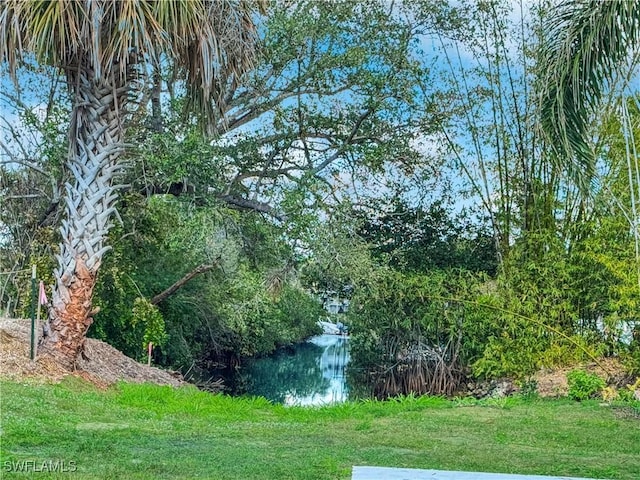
column 103, row 365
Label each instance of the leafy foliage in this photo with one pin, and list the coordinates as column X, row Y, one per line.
column 584, row 385
column 417, row 333
column 149, row 317
column 338, row 259
column 540, row 318
column 329, row 172
column 226, row 312
column 582, row 59
column 262, row 323
column 423, row 239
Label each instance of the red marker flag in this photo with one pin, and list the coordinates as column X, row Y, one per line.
column 43, row 296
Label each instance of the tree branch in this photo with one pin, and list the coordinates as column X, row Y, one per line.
column 244, row 204
column 349, row 140
column 183, row 281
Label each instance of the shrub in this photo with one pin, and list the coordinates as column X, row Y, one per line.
column 584, row 385
column 146, row 314
column 631, row 359
column 627, row 394
column 528, row 387
column 610, row 394
column 416, row 333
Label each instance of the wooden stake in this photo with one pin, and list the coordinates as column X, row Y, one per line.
column 34, row 299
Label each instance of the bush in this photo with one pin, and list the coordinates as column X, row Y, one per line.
column 146, row 314
column 627, row 394
column 631, row 359
column 528, row 387
column 584, row 385
column 262, row 322
column 416, row 333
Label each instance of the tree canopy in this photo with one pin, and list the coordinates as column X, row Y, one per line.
column 432, row 161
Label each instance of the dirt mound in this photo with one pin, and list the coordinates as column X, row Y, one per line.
column 553, row 382
column 103, row 366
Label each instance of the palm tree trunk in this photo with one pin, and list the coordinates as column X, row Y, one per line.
column 98, row 140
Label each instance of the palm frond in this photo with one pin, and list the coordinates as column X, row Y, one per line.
column 586, row 43
column 222, row 50
column 212, row 40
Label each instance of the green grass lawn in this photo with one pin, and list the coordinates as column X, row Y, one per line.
column 146, row 431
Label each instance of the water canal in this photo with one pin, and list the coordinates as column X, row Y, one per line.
column 309, row 373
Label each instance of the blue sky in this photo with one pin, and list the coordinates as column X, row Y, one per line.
column 463, row 59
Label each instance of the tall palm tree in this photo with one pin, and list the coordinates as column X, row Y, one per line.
column 588, row 43
column 106, row 48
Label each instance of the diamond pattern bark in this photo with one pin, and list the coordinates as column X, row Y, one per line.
column 98, row 138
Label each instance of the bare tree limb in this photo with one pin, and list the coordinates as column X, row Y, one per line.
column 183, row 281
column 23, row 162
column 244, row 204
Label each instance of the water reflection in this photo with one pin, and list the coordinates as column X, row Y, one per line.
column 310, row 373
